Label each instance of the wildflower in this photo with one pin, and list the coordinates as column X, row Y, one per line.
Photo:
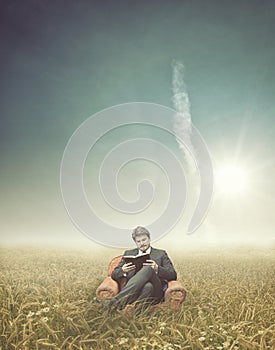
column 43, row 303
column 38, row 313
column 46, row 309
column 260, row 332
column 202, row 338
column 158, row 332
column 30, row 314
column 200, row 313
column 226, row 344
column 234, row 327
column 122, row 341
column 45, row 319
column 162, row 326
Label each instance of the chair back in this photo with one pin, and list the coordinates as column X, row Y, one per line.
column 113, row 263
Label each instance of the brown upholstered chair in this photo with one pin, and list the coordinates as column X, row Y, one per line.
column 173, row 296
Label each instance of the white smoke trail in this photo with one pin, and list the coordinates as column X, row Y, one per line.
column 182, row 123
column 182, row 126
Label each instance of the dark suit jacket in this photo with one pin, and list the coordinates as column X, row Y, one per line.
column 166, row 271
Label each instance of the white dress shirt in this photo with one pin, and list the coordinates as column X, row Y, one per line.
column 148, row 251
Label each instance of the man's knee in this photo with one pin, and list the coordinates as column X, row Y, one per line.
column 147, row 270
column 148, row 288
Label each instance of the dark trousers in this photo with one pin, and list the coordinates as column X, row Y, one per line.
column 144, row 286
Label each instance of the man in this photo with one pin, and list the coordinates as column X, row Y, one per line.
column 146, row 286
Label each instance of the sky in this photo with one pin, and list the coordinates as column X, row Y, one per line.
column 63, row 61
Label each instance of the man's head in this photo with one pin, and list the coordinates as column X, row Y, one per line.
column 141, row 236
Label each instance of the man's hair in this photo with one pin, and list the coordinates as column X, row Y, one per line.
column 140, row 231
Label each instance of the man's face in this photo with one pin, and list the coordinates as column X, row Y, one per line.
column 143, row 242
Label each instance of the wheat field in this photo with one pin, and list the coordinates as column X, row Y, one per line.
column 48, row 302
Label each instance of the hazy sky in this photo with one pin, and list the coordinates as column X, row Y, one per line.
column 62, row 61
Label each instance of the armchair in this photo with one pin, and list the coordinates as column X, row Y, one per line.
column 173, row 296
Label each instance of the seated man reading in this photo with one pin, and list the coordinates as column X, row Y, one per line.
column 148, row 284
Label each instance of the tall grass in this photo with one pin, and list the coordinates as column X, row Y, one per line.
column 47, row 302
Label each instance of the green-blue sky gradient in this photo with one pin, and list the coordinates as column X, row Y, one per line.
column 62, row 61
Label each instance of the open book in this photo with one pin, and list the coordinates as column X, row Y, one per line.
column 137, row 260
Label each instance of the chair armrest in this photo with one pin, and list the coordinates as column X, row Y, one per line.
column 174, row 294
column 107, row 289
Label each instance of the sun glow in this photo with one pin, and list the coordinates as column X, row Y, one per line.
column 231, row 180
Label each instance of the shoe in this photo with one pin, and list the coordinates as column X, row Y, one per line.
column 129, row 311
column 108, row 305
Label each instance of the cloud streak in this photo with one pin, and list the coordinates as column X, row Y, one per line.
column 182, row 123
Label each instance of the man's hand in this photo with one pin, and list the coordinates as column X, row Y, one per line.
column 128, row 267
column 151, row 263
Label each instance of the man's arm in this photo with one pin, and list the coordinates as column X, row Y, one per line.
column 117, row 273
column 122, row 269
column 166, row 269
